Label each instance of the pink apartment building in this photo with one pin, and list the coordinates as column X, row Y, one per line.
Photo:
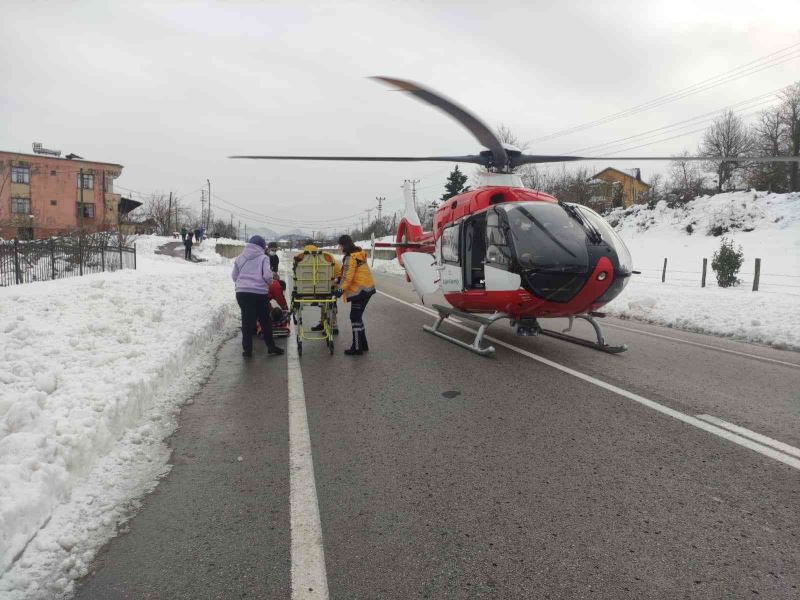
column 41, row 196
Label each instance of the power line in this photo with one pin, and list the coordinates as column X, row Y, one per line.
column 770, row 60
column 744, row 105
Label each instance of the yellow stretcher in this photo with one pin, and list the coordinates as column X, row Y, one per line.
column 313, row 284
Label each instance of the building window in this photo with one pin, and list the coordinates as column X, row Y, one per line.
column 21, row 206
column 88, row 210
column 52, row 173
column 20, row 175
column 53, row 202
column 88, row 181
column 109, row 183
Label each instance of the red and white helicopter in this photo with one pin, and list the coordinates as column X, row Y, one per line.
column 502, row 251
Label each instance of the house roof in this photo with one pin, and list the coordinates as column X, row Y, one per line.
column 72, row 160
column 627, row 173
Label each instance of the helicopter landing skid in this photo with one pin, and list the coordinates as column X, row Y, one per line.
column 526, row 327
column 600, row 344
column 483, row 322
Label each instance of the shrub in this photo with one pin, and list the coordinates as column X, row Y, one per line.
column 726, row 263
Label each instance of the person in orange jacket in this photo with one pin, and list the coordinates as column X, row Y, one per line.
column 357, row 287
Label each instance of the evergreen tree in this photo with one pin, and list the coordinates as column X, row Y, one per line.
column 455, row 184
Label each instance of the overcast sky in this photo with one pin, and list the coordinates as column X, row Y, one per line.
column 170, row 90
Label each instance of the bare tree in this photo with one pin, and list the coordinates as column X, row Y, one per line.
column 790, row 117
column 728, row 137
column 770, row 139
column 157, row 208
column 686, row 181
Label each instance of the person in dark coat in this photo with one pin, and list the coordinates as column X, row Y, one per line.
column 274, row 260
column 187, row 244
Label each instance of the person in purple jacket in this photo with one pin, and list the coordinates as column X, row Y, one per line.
column 252, row 275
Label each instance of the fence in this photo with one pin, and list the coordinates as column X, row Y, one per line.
column 57, row 258
column 756, row 279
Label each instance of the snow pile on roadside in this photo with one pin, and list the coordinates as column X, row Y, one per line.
column 767, row 226
column 93, row 371
column 760, row 317
column 391, row 267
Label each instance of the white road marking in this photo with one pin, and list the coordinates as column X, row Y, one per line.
column 756, row 437
column 694, row 421
column 710, row 346
column 309, row 579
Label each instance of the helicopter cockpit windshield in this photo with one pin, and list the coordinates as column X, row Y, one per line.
column 555, row 246
column 546, row 238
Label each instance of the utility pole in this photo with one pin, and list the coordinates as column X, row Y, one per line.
column 380, row 200
column 369, row 215
column 239, row 231
column 208, row 217
column 202, row 206
column 414, row 183
column 169, row 215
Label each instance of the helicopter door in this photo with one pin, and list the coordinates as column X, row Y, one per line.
column 449, row 255
column 497, row 268
column 474, row 231
column 423, row 272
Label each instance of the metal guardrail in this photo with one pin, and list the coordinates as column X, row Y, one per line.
column 58, row 258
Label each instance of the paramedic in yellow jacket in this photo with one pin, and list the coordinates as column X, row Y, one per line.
column 310, row 246
column 357, row 287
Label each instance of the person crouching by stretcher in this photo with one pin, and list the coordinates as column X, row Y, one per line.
column 253, row 276
column 311, row 246
column 357, row 286
column 279, row 314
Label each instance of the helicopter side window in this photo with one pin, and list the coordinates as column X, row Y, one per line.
column 498, row 254
column 450, row 244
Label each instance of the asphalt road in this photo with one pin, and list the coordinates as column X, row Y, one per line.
column 442, row 474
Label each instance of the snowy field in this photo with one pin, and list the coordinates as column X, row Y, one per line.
column 93, row 371
column 767, row 226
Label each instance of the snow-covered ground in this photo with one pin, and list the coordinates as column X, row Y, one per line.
column 767, row 226
column 93, row 371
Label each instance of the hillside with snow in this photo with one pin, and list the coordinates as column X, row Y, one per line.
column 766, row 226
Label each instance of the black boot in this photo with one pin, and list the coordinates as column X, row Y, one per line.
column 355, row 349
column 363, row 341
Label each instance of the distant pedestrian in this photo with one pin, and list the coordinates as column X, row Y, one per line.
column 358, row 287
column 253, row 277
column 183, row 234
column 274, row 260
column 197, row 235
column 187, row 244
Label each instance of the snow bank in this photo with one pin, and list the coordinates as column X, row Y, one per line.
column 93, row 371
column 767, row 226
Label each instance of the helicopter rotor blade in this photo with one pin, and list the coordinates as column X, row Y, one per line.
column 526, row 159
column 473, row 124
column 473, row 158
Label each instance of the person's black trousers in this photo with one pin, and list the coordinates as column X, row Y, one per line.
column 358, row 304
column 188, row 253
column 254, row 307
